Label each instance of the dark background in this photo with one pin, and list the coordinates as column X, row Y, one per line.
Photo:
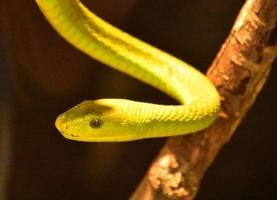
column 41, row 76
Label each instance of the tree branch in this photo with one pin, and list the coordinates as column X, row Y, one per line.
column 239, row 72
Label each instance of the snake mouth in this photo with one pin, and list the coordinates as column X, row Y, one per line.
column 58, row 123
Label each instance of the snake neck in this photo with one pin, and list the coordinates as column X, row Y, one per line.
column 150, row 120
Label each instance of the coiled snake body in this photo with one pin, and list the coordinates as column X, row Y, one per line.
column 124, row 120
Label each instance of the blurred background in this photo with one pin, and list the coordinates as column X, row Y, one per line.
column 41, row 76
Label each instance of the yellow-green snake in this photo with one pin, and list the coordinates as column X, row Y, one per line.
column 124, row 120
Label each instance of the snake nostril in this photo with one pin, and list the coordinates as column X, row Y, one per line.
column 73, row 135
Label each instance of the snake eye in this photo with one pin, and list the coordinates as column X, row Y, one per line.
column 95, row 123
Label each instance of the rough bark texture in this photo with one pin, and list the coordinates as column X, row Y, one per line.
column 239, row 72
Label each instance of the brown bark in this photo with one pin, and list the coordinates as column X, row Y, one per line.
column 239, row 72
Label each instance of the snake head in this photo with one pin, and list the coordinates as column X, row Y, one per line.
column 98, row 120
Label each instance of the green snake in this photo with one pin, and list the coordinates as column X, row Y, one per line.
column 120, row 119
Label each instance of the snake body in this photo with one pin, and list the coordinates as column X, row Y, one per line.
column 120, row 119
